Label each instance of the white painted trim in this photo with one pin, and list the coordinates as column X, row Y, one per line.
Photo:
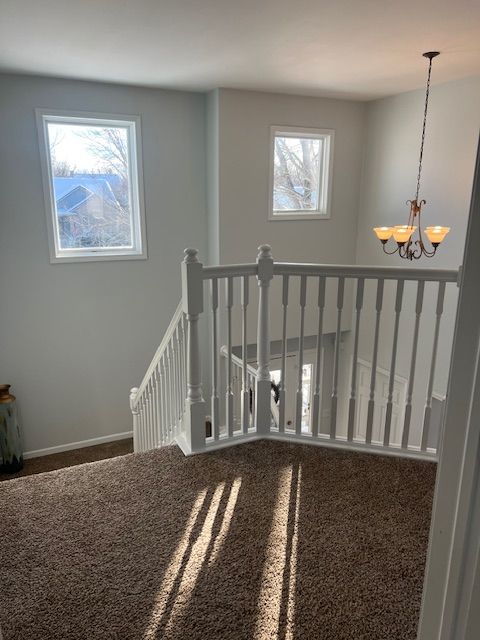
column 325, row 179
column 138, row 251
column 448, row 588
column 323, row 440
column 77, row 445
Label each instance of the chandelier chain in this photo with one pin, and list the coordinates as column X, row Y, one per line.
column 427, row 93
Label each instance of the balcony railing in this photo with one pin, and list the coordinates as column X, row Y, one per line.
column 355, row 320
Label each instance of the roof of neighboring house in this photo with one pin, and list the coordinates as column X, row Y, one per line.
column 71, row 191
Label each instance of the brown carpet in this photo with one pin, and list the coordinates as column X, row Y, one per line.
column 72, row 458
column 260, row 541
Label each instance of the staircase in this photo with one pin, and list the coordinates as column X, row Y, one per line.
column 220, row 341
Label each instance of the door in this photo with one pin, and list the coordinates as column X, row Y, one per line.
column 291, row 383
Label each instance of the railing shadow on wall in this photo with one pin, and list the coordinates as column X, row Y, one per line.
column 351, row 327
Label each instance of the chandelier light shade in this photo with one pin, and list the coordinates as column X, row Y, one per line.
column 410, row 245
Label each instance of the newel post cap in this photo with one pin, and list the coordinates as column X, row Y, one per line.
column 264, row 251
column 265, row 264
column 190, row 255
column 133, row 397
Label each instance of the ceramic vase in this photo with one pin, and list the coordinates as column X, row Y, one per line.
column 11, row 455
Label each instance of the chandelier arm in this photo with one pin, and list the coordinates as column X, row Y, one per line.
column 404, row 251
column 429, row 254
column 389, row 253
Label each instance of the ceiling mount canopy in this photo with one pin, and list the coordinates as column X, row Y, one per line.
column 408, row 246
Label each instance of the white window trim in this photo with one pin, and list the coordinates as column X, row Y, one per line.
column 326, row 178
column 133, row 124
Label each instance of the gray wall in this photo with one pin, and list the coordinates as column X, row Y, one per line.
column 390, row 169
column 75, row 337
column 243, row 120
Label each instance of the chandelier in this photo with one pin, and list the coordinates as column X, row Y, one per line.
column 407, row 246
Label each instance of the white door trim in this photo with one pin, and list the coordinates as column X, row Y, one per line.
column 447, row 608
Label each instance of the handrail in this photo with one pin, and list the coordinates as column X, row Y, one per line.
column 159, row 352
column 334, row 270
column 230, row 270
column 358, row 271
column 238, row 361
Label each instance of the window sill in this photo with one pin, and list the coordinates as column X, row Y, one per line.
column 95, row 256
column 292, row 215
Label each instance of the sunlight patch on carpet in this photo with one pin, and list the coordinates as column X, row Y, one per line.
column 276, row 600
column 195, row 561
column 226, row 521
column 174, row 567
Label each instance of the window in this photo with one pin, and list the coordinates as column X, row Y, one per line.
column 92, row 180
column 301, row 173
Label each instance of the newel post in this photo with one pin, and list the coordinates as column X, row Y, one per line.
column 135, row 412
column 192, row 302
column 263, row 388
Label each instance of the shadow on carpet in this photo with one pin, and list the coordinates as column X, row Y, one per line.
column 257, row 542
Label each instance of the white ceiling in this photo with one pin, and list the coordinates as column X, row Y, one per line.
column 351, row 48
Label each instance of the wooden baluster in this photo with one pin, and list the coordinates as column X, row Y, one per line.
column 142, row 422
column 173, row 390
column 317, row 395
column 168, row 387
column 149, row 415
column 391, row 383
column 336, row 357
column 299, row 397
column 145, row 421
column 153, row 402
column 413, row 361
column 134, row 410
column 181, row 398
column 166, row 430
column 166, row 383
column 245, row 401
column 215, row 355
column 353, row 386
column 371, row 401
column 238, row 398
column 263, row 383
column 161, row 403
column 281, row 400
column 174, row 386
column 178, row 394
column 178, row 378
column 184, row 360
column 192, row 301
column 158, row 419
column 229, row 392
column 428, row 403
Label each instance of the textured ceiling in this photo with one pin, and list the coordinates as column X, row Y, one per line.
column 352, row 48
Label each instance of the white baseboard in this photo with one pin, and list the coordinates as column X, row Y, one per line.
column 77, row 445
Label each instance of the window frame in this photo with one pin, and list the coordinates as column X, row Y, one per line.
column 138, row 251
column 323, row 211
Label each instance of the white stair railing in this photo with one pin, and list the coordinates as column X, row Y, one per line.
column 167, row 407
column 244, row 376
column 158, row 404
